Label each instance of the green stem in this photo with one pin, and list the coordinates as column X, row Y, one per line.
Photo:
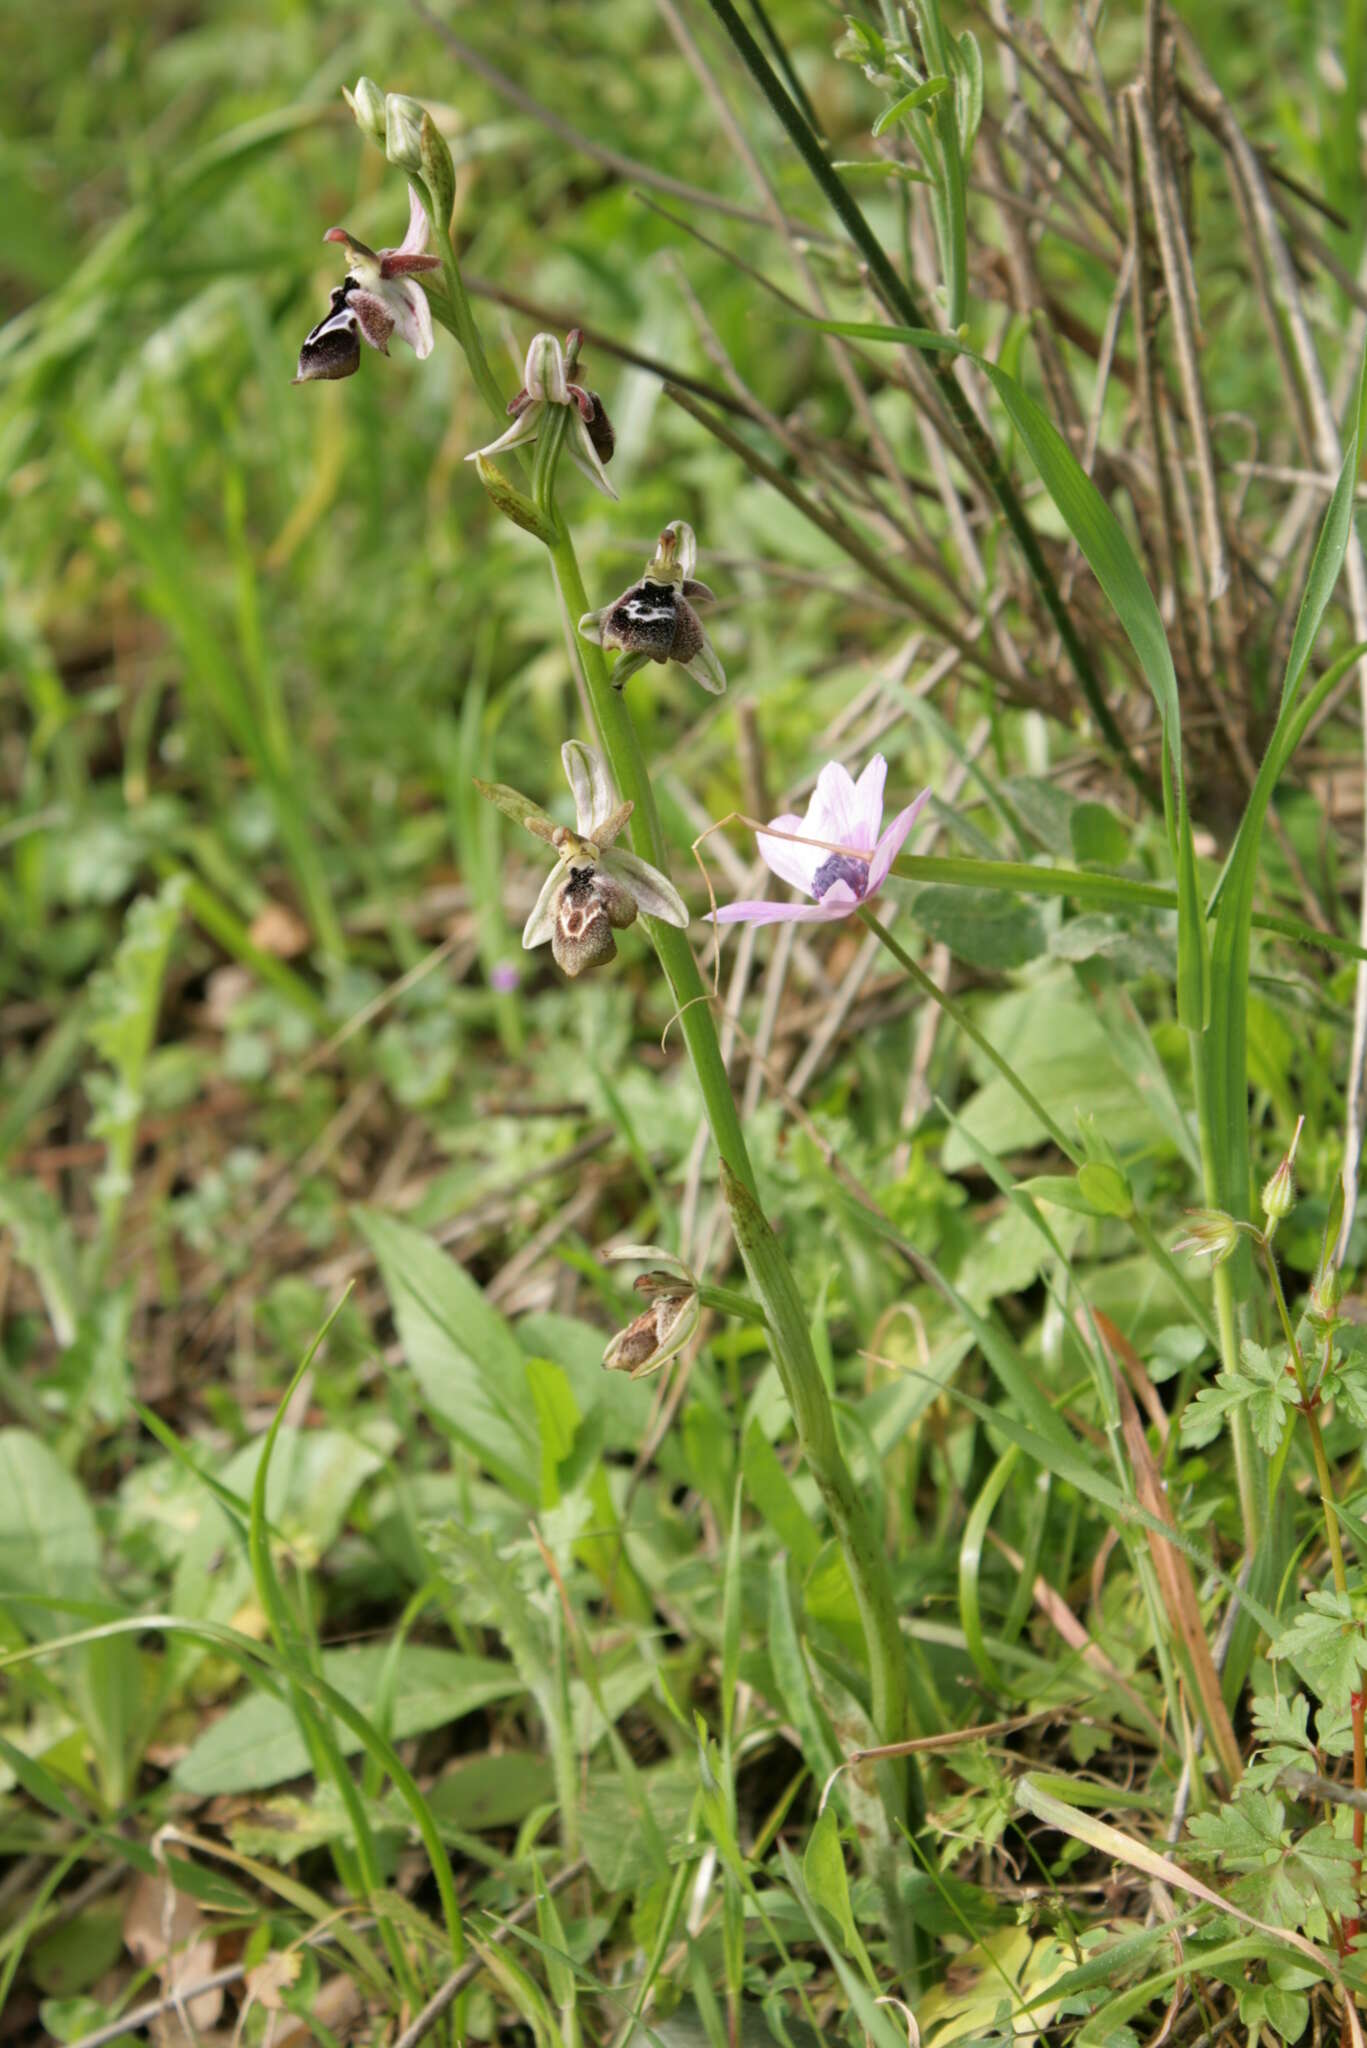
column 728, row 1301
column 462, row 323
column 970, row 1030
column 1250, row 1479
column 899, row 297
column 1308, row 1405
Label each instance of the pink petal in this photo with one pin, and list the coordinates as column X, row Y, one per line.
column 782, row 913
column 794, row 865
column 833, row 812
column 868, row 798
column 411, row 314
column 890, row 845
column 415, row 236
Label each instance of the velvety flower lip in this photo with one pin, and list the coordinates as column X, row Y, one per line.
column 655, row 620
column 546, row 381
column 837, row 854
column 377, row 297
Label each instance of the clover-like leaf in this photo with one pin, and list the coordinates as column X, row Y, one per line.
column 1326, row 1644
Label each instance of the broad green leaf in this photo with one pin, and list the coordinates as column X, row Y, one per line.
column 257, row 1743
column 464, row 1357
column 823, row 1871
column 771, row 1491
column 986, row 927
column 48, row 1539
column 1098, row 835
column 1054, row 1041
column 491, row 1790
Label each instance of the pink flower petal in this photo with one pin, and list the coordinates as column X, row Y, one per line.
column 868, row 799
column 415, row 235
column 780, row 913
column 412, row 315
column 890, row 845
column 833, row 812
column 794, row 865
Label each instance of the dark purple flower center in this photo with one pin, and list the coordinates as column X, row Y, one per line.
column 841, row 867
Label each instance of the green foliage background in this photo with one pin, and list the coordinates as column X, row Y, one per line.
column 257, row 641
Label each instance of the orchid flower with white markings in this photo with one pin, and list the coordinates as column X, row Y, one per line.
column 546, row 380
column 655, row 619
column 379, row 296
column 836, row 854
column 595, row 887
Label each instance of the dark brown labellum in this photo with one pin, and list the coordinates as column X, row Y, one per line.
column 588, row 908
column 656, row 620
column 333, row 348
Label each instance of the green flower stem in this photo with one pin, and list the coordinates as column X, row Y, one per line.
column 620, row 744
column 1142, row 1230
column 970, row 1030
column 728, row 1301
column 1309, row 1405
column 462, row 324
column 1250, row 1475
column 769, row 1271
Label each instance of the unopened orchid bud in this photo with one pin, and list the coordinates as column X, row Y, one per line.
column 1279, row 1195
column 1211, row 1234
column 367, row 104
column 413, row 141
column 403, row 119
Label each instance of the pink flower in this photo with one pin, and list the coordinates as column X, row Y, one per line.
column 375, row 299
column 841, row 861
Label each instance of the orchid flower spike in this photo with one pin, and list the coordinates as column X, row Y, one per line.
column 595, row 887
column 377, row 296
column 835, row 854
column 661, row 1330
column 546, row 381
column 655, row 619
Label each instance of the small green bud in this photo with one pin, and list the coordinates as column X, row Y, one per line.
column 403, row 119
column 1106, row 1188
column 1328, row 1291
column 414, row 143
column 367, row 104
column 1279, row 1195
